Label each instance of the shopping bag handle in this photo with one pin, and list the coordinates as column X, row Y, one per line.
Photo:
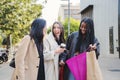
column 87, row 50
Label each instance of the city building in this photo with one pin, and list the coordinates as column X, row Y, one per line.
column 64, row 10
column 105, row 16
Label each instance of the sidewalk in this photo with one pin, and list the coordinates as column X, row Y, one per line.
column 110, row 66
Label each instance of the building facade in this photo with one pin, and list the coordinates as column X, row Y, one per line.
column 105, row 16
column 119, row 27
column 74, row 11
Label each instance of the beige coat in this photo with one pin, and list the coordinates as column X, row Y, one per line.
column 51, row 59
column 26, row 60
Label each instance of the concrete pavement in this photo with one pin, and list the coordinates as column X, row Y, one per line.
column 5, row 71
column 110, row 67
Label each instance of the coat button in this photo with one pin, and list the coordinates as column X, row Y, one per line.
column 16, row 77
column 37, row 66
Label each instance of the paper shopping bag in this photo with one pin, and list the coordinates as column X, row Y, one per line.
column 93, row 68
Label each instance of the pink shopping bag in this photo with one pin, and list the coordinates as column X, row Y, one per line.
column 77, row 66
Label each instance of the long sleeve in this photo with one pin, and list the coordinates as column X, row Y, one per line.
column 20, row 56
column 63, row 56
column 48, row 53
column 97, row 47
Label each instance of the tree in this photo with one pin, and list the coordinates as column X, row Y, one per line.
column 74, row 25
column 16, row 17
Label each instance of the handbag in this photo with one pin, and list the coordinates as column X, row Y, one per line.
column 61, row 73
column 85, row 66
column 12, row 63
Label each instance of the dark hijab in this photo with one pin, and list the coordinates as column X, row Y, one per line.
column 37, row 35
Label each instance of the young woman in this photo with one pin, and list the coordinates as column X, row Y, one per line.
column 81, row 41
column 29, row 58
column 52, row 50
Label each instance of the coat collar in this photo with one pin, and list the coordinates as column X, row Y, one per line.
column 51, row 38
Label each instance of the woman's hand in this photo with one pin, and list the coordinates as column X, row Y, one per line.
column 92, row 47
column 61, row 63
column 60, row 50
column 76, row 53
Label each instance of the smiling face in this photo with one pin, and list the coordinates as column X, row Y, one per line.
column 83, row 28
column 57, row 30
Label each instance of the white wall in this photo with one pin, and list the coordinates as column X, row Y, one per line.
column 105, row 14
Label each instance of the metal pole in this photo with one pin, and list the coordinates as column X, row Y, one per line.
column 119, row 28
column 68, row 17
column 11, row 48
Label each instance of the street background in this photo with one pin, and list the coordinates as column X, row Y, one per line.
column 110, row 67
